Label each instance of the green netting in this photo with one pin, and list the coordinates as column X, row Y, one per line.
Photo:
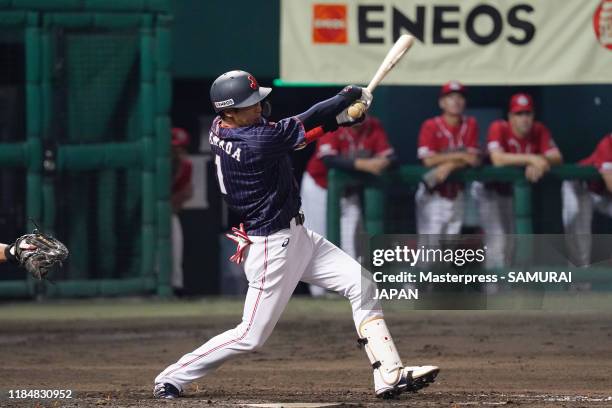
column 12, row 130
column 99, row 224
column 96, row 92
column 101, row 74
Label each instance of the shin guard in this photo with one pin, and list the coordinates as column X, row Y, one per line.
column 381, row 351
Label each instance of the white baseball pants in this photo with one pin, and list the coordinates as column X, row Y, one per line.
column 496, row 213
column 314, row 204
column 437, row 215
column 578, row 206
column 274, row 265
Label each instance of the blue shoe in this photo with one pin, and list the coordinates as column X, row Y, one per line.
column 166, row 391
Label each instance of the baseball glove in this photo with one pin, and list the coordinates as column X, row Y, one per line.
column 38, row 253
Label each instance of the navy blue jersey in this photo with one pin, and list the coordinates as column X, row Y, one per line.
column 255, row 173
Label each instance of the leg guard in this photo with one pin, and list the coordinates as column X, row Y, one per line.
column 381, row 351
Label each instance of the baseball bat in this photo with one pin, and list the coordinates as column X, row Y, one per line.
column 396, row 52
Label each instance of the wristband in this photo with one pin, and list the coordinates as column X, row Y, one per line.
column 8, row 255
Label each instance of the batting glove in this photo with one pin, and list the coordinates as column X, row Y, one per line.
column 239, row 236
column 344, row 120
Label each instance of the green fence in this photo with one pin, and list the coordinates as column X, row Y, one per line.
column 96, row 149
column 374, row 191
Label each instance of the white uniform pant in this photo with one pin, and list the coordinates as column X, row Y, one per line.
column 496, row 213
column 578, row 206
column 176, row 278
column 437, row 215
column 314, row 204
column 274, row 265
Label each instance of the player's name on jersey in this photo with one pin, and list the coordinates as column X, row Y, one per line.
column 227, row 147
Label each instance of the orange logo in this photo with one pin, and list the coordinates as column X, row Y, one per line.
column 602, row 23
column 329, row 24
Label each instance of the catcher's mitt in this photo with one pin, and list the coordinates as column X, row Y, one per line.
column 39, row 253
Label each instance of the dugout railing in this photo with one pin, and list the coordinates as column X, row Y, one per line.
column 375, row 198
column 96, row 145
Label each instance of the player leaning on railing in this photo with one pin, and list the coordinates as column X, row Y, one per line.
column 255, row 176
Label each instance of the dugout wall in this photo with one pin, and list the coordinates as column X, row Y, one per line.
column 94, row 141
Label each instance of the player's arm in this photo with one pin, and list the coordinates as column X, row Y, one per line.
column 554, row 157
column 458, row 158
column 500, row 158
column 372, row 165
column 552, row 154
column 3, row 247
column 324, row 113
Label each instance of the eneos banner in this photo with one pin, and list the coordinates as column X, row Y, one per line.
column 489, row 42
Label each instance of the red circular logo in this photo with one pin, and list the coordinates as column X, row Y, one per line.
column 602, row 24
column 253, row 82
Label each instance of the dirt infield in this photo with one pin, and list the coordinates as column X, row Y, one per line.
column 107, row 353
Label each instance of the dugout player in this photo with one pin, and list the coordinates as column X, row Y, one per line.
column 519, row 141
column 255, row 176
column 182, row 190
column 580, row 198
column 363, row 147
column 446, row 143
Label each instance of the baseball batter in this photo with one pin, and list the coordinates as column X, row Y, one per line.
column 255, row 177
column 446, row 143
column 363, row 147
column 580, row 198
column 519, row 141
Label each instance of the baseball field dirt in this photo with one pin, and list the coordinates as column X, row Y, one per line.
column 107, row 352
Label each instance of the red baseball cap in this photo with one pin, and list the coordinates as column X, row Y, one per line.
column 452, row 86
column 521, row 102
column 180, row 137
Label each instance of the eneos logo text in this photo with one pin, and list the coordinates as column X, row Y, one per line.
column 329, row 24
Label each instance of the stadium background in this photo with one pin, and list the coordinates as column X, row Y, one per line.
column 203, row 45
column 106, row 83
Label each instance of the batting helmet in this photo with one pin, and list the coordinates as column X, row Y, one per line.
column 236, row 89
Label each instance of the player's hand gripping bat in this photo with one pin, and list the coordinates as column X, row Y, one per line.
column 396, row 52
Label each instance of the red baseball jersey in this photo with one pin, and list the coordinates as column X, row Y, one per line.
column 502, row 138
column 538, row 141
column 182, row 175
column 437, row 136
column 601, row 158
column 362, row 141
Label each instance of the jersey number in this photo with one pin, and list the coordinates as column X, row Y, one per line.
column 220, row 175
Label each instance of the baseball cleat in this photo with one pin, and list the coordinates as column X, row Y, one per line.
column 384, row 390
column 166, row 391
column 418, row 377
